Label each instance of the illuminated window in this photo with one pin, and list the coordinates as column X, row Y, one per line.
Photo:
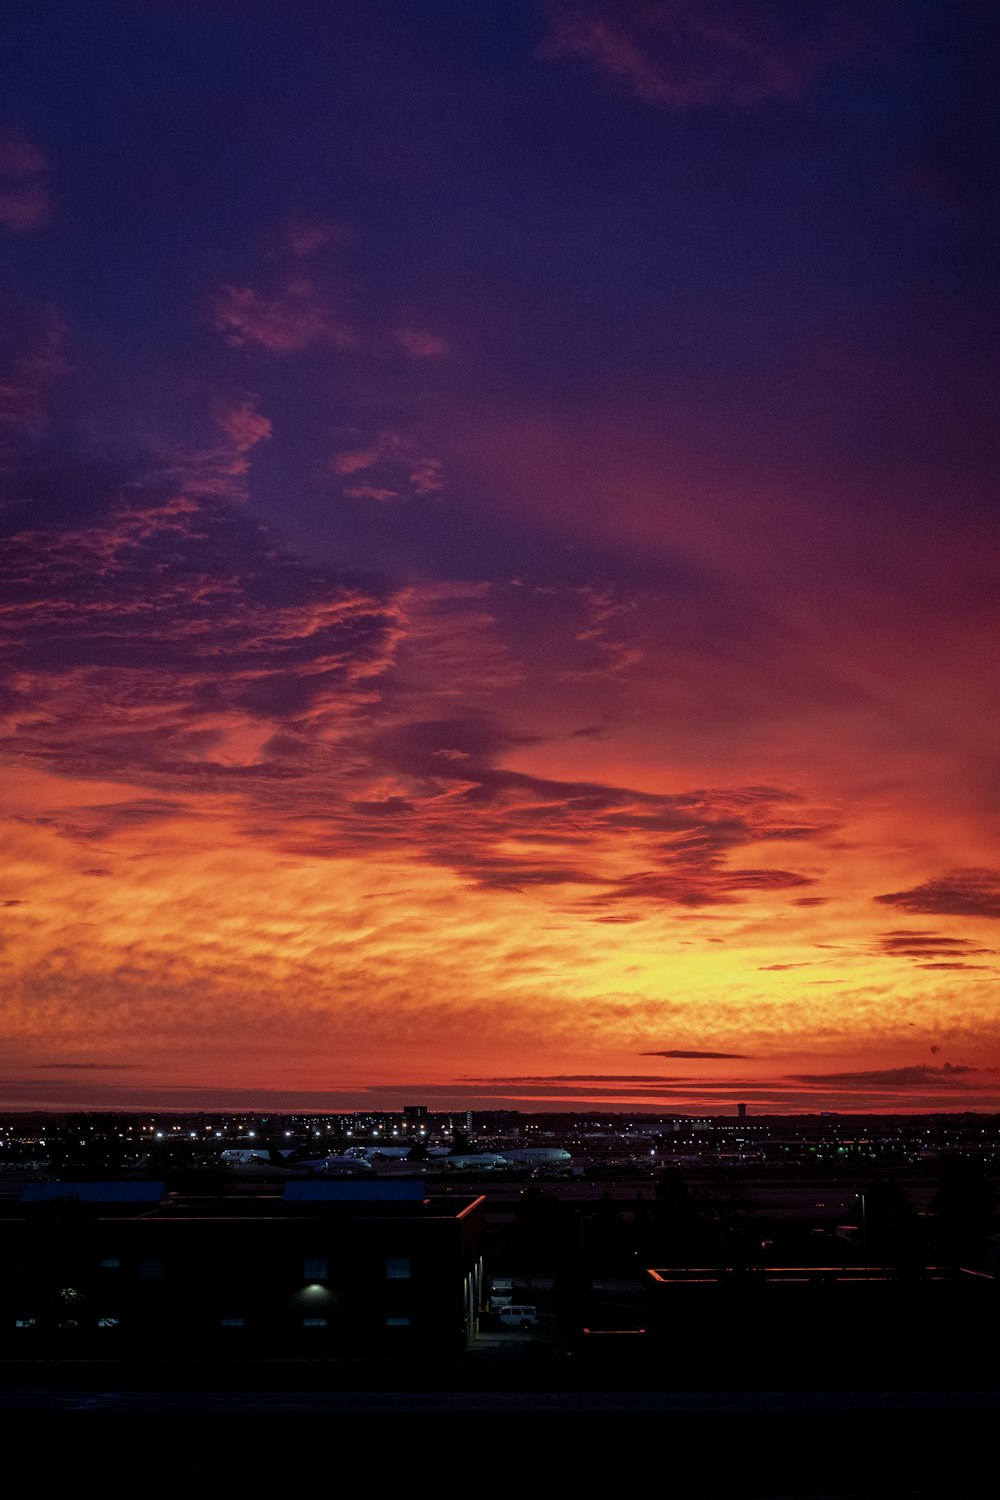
column 107, row 1322
column 398, row 1268
column 25, row 1322
column 232, row 1322
column 313, row 1322
column 151, row 1270
column 112, row 1263
column 315, row 1268
column 397, row 1322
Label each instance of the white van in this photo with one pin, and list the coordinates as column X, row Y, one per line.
column 514, row 1315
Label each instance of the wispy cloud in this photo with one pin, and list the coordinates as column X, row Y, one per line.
column 243, row 424
column 166, row 624
column 293, row 317
column 932, row 950
column 86, row 1067
column 25, row 200
column 888, row 1089
column 32, row 362
column 419, row 343
column 387, row 464
column 303, row 306
column 924, row 1075
column 304, row 237
column 693, row 54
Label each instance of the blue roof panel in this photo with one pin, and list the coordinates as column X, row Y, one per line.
column 95, row 1192
column 355, row 1190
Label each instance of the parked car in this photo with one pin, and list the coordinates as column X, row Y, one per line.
column 518, row 1316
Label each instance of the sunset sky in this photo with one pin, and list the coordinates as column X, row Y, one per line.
column 500, row 568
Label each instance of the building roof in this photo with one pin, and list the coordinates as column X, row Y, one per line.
column 95, row 1192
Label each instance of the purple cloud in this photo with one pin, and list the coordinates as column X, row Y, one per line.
column 680, row 1053
column 968, row 892
column 693, row 54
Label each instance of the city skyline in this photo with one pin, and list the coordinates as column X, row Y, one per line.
column 498, row 583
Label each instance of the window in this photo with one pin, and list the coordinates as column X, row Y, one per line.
column 313, row 1322
column 232, row 1322
column 111, row 1263
column 107, row 1322
column 25, row 1322
column 151, row 1270
column 315, row 1268
column 397, row 1322
column 398, row 1268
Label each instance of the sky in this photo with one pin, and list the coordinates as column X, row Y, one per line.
column 499, row 554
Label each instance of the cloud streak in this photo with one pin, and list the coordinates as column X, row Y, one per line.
column 696, row 54
column 958, row 893
column 680, row 1053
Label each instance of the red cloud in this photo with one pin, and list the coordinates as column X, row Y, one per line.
column 393, row 464
column 244, row 425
